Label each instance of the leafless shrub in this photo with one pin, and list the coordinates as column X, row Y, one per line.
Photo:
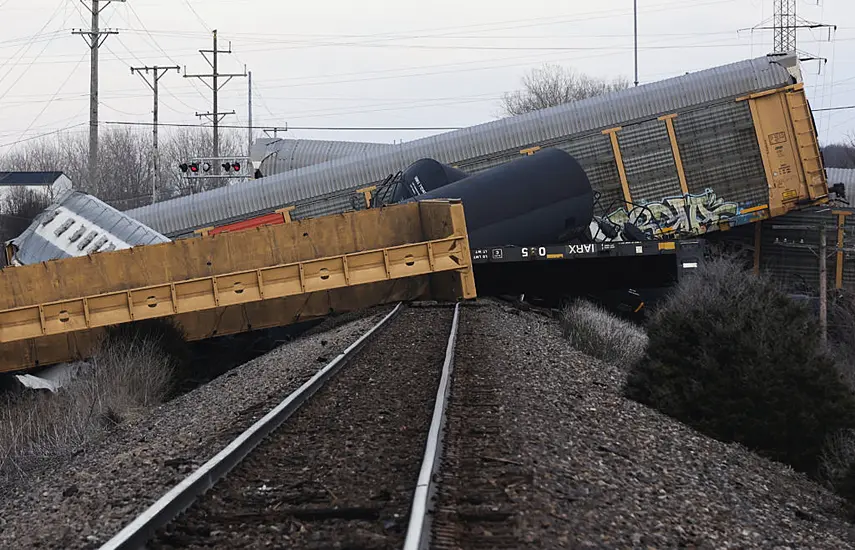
column 125, row 378
column 841, row 333
column 837, row 463
column 596, row 332
column 18, row 207
column 553, row 85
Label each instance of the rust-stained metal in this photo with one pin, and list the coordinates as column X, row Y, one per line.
column 237, row 281
column 790, row 150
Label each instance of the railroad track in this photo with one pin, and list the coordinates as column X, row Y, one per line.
column 348, row 460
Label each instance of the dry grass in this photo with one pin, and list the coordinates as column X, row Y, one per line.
column 596, row 332
column 127, row 377
column 837, row 460
column 841, row 333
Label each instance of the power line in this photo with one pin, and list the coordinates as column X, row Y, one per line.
column 164, row 52
column 26, row 48
column 207, row 28
column 289, row 127
column 841, row 108
column 10, row 144
column 60, row 87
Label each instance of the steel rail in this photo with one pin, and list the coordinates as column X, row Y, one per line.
column 418, row 532
column 137, row 533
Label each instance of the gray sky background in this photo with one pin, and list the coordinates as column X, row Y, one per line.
column 381, row 62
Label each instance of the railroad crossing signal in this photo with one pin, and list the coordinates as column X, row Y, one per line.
column 231, row 165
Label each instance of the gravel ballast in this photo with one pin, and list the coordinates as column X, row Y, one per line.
column 561, row 459
column 340, row 473
column 84, row 501
column 541, row 451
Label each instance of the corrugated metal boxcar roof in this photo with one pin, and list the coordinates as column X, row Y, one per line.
column 77, row 224
column 279, row 155
column 846, row 176
column 182, row 215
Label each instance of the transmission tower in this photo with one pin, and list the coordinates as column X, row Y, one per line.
column 786, row 24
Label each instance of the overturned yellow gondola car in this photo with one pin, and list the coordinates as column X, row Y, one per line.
column 57, row 311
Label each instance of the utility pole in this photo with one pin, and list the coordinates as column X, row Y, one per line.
column 635, row 24
column 158, row 74
column 823, row 284
column 94, row 38
column 821, row 252
column 215, row 115
column 249, row 114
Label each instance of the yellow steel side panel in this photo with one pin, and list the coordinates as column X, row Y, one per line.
column 194, row 258
column 424, row 252
column 323, row 274
column 292, row 309
column 437, row 221
column 406, row 260
column 195, row 295
column 281, row 281
column 20, row 324
column 64, row 317
column 782, row 158
column 239, row 288
column 152, row 302
column 22, row 355
column 370, row 266
column 109, row 309
column 808, row 144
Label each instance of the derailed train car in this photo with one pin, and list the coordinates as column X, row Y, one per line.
column 681, row 157
column 544, row 198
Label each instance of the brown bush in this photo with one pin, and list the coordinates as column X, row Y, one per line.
column 124, row 379
column 734, row 357
column 597, row 333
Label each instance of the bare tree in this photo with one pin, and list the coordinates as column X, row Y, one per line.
column 553, row 85
column 126, row 165
column 18, row 207
column 840, row 155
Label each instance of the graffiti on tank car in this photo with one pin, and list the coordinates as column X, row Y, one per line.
column 673, row 216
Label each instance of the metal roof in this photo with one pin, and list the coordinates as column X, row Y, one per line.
column 485, row 141
column 846, row 176
column 277, row 155
column 77, row 224
column 10, row 179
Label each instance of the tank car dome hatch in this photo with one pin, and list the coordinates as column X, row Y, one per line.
column 542, row 198
column 425, row 175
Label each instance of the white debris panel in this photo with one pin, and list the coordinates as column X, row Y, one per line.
column 77, row 224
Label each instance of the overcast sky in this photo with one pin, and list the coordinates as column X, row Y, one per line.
column 381, row 63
